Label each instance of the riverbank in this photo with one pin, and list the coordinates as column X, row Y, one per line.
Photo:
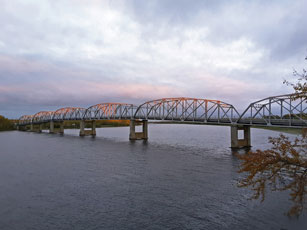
column 283, row 130
column 296, row 131
column 99, row 124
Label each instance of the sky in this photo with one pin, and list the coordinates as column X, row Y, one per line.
column 58, row 53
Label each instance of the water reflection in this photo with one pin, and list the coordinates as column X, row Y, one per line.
column 240, row 151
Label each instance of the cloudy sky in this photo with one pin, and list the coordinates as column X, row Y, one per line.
column 56, row 53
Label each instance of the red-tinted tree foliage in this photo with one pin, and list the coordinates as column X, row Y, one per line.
column 284, row 166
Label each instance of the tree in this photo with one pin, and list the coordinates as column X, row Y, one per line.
column 300, row 87
column 284, row 166
column 5, row 124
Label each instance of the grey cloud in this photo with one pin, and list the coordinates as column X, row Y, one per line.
column 43, row 48
column 172, row 12
column 278, row 26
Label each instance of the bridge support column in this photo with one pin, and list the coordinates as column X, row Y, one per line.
column 51, row 127
column 61, row 128
column 145, row 129
column 84, row 132
column 82, row 127
column 239, row 143
column 40, row 128
column 138, row 135
column 132, row 130
column 93, row 128
column 21, row 128
column 32, row 128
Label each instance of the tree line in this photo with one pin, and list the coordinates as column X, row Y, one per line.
column 6, row 124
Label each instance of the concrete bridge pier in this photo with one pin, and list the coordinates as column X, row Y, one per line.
column 51, row 127
column 61, row 128
column 37, row 129
column 21, row 127
column 138, row 135
column 53, row 130
column 40, row 127
column 240, row 143
column 84, row 132
column 82, row 127
column 93, row 128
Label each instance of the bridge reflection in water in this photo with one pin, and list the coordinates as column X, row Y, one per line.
column 278, row 111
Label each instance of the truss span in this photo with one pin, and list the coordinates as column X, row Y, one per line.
column 25, row 119
column 42, row 117
column 69, row 113
column 284, row 110
column 187, row 109
column 114, row 111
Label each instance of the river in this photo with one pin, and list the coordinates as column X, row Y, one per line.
column 183, row 177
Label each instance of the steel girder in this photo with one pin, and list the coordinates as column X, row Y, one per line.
column 284, row 110
column 120, row 111
column 69, row 113
column 187, row 109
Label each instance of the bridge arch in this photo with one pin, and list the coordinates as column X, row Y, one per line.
column 109, row 111
column 42, row 116
column 282, row 110
column 68, row 113
column 187, row 109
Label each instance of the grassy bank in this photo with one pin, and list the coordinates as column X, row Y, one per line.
column 99, row 124
column 296, row 131
column 282, row 130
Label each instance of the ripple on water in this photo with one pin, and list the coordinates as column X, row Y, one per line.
column 184, row 177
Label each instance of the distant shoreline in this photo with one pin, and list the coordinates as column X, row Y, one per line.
column 277, row 129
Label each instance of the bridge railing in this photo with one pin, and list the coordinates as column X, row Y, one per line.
column 187, row 109
column 283, row 110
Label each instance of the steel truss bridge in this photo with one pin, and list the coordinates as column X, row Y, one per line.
column 278, row 111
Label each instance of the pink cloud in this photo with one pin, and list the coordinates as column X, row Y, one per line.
column 133, row 91
column 83, row 92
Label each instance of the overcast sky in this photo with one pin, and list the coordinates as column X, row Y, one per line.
column 60, row 53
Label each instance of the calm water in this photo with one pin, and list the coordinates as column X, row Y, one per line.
column 184, row 177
